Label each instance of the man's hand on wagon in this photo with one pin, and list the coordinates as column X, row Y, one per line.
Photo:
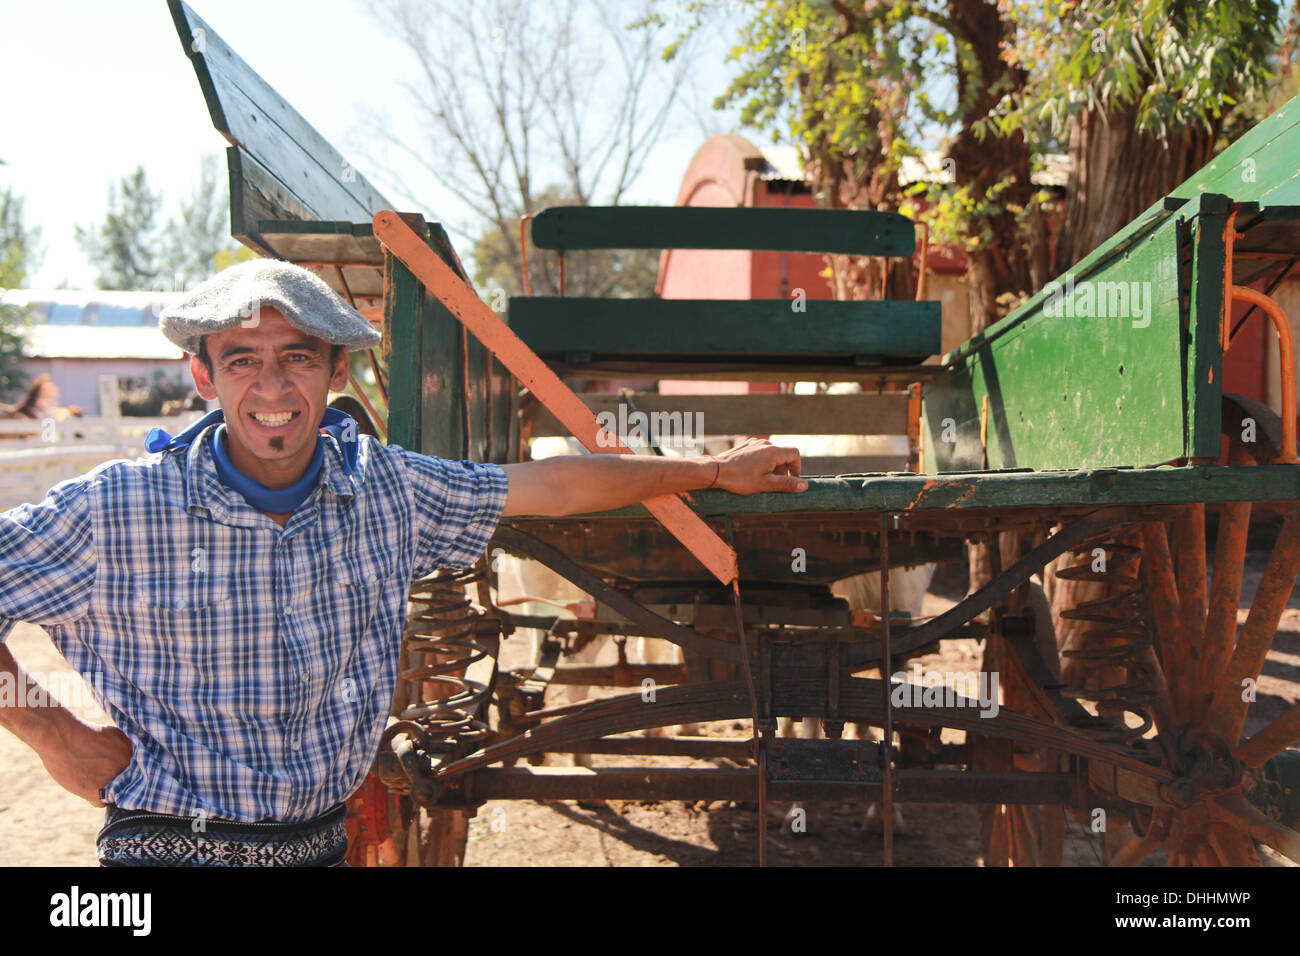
column 588, row 483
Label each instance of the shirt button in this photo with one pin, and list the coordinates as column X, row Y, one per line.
column 288, row 610
column 374, row 578
column 180, row 605
column 296, row 745
column 306, row 678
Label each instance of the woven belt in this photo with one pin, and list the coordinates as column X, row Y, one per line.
column 145, row 838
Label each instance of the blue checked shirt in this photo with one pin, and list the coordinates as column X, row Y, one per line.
column 252, row 667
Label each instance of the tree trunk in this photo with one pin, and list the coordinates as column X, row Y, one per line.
column 1109, row 188
column 1010, row 256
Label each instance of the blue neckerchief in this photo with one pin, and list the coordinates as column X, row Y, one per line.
column 343, row 427
column 276, row 501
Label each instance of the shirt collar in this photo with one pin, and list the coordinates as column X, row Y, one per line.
column 203, row 489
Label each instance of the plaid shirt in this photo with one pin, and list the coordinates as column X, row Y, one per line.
column 252, row 667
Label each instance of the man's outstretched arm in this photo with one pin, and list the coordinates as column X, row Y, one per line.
column 587, row 483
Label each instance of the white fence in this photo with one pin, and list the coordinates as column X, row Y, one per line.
column 36, row 454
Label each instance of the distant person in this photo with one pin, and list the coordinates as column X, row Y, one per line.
column 42, row 401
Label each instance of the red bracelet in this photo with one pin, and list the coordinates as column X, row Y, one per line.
column 716, row 473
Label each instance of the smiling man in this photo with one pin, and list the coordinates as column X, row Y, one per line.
column 240, row 594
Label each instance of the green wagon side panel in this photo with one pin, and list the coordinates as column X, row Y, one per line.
column 740, row 328
column 429, row 357
column 852, row 232
column 1091, row 375
column 253, row 116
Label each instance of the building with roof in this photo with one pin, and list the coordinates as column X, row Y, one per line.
column 76, row 336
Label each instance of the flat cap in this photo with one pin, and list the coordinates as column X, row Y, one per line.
column 237, row 294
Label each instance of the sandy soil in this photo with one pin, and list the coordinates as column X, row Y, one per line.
column 41, row 824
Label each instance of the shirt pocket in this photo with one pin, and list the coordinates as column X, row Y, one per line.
column 364, row 583
column 183, row 608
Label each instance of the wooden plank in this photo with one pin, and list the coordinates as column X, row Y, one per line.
column 250, row 114
column 401, row 346
column 256, row 195
column 1084, row 380
column 771, row 369
column 1204, row 358
column 874, row 414
column 904, row 494
column 552, row 326
column 851, row 232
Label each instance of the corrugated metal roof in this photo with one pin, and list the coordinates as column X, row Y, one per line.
column 88, row 341
column 785, row 163
column 76, row 323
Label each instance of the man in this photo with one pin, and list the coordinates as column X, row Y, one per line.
column 240, row 595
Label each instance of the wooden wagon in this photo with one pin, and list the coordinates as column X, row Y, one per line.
column 1091, row 422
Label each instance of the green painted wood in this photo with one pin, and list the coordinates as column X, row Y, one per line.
column 403, row 327
column 964, row 493
column 256, row 196
column 251, row 115
column 1204, row 353
column 1085, row 379
column 739, row 328
column 851, row 232
column 428, row 354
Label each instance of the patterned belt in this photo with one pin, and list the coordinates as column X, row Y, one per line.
column 145, row 838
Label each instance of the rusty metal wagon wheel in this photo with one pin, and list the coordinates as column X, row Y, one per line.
column 1205, row 670
column 1155, row 647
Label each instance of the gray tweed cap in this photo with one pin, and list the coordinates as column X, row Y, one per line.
column 235, row 295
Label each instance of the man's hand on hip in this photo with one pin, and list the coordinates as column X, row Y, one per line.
column 86, row 758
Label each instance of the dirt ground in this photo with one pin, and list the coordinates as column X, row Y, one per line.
column 43, row 825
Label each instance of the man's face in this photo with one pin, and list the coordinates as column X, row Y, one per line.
column 272, row 381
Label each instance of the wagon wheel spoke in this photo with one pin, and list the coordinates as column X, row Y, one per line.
column 1227, row 712
column 1136, row 850
column 1235, row 810
column 1231, row 847
column 1225, row 596
column 1280, row 733
column 1170, row 679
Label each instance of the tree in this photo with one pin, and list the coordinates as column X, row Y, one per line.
column 510, row 92
column 18, row 254
column 125, row 249
column 1138, row 90
column 194, row 245
column 613, row 273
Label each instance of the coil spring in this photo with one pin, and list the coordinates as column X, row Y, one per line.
column 445, row 628
column 1122, row 641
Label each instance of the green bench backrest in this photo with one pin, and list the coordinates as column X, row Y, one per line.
column 850, row 232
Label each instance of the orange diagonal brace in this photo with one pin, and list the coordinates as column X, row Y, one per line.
column 404, row 243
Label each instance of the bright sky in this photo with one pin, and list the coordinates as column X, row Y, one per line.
column 93, row 88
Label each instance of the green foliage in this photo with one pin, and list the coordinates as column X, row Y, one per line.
column 1177, row 63
column 194, row 246
column 125, row 249
column 18, row 254
column 132, row 252
column 861, row 86
column 590, row 272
